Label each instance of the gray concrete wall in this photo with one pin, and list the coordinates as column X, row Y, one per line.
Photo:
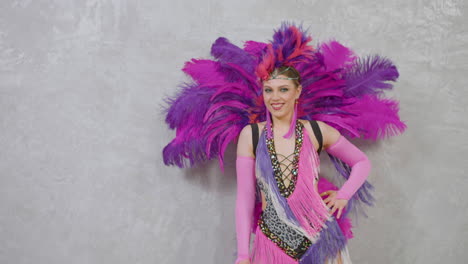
column 81, row 85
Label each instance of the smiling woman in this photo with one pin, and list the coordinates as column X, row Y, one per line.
column 285, row 101
column 294, row 225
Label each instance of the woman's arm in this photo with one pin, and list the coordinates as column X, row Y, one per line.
column 340, row 147
column 246, row 186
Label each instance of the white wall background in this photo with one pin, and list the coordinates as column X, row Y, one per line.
column 81, row 134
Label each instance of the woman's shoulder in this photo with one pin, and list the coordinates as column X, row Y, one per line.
column 246, row 131
column 244, row 144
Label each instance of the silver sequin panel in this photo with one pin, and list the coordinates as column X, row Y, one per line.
column 276, row 226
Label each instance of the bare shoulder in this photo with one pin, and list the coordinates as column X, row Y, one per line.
column 246, row 132
column 244, row 144
column 330, row 134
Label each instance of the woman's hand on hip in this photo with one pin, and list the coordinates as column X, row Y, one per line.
column 333, row 203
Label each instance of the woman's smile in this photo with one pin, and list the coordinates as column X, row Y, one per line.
column 277, row 106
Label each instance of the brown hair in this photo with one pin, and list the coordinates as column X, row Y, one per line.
column 290, row 73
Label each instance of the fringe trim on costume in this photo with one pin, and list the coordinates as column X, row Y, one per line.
column 267, row 252
column 305, row 202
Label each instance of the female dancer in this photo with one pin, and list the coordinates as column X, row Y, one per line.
column 311, row 235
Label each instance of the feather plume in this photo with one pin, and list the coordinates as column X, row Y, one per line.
column 255, row 49
column 369, row 75
column 226, row 52
column 375, row 117
column 288, row 47
column 204, row 71
column 336, row 56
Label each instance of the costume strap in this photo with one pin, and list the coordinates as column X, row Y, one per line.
column 254, row 127
column 317, row 133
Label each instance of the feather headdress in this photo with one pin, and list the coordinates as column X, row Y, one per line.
column 339, row 88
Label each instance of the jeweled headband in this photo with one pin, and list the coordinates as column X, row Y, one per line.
column 275, row 76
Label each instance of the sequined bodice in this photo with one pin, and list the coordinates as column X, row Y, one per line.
column 286, row 167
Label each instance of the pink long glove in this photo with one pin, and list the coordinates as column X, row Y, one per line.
column 357, row 160
column 246, row 185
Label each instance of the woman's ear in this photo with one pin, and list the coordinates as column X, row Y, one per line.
column 299, row 91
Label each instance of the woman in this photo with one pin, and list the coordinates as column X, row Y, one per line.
column 295, row 242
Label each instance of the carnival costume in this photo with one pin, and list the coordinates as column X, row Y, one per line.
column 340, row 89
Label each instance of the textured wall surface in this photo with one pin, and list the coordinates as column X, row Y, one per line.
column 81, row 87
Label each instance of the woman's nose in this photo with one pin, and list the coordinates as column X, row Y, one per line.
column 275, row 95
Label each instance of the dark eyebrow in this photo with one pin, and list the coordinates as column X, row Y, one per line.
column 282, row 86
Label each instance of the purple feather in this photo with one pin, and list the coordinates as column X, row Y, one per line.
column 330, row 243
column 288, row 39
column 198, row 137
column 369, row 75
column 234, row 73
column 226, row 52
column 191, row 101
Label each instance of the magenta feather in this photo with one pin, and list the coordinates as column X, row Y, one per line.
column 376, row 118
column 255, row 49
column 336, row 56
column 204, row 71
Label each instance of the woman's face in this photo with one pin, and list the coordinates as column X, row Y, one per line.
column 280, row 95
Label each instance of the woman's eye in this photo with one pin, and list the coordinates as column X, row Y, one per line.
column 267, row 90
column 284, row 89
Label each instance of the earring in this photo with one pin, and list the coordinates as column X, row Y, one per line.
column 293, row 122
